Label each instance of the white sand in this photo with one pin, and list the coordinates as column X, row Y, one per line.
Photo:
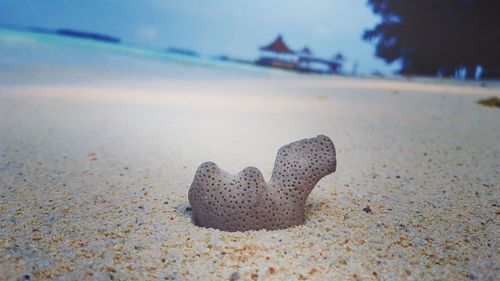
column 94, row 180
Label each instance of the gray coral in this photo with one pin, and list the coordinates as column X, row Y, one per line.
column 246, row 202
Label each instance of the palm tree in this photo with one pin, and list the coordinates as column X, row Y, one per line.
column 338, row 59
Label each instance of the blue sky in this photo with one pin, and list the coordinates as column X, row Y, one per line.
column 235, row 28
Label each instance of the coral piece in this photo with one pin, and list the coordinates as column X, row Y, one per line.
column 246, row 202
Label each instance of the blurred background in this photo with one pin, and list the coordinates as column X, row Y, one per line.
column 457, row 39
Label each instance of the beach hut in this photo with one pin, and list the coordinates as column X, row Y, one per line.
column 278, row 54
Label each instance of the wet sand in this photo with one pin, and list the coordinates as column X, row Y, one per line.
column 94, row 179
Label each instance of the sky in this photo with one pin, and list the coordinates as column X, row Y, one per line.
column 217, row 27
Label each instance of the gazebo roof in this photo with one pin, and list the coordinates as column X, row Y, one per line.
column 278, row 46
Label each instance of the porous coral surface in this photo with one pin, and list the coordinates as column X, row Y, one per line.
column 246, row 202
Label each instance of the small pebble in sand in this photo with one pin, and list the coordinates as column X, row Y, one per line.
column 367, row 210
column 234, row 276
column 92, row 156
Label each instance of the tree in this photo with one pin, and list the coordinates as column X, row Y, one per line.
column 339, row 59
column 438, row 36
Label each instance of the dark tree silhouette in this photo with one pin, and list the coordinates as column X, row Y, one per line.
column 339, row 59
column 438, row 36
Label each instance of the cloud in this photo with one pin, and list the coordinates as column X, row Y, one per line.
column 146, row 33
column 321, row 30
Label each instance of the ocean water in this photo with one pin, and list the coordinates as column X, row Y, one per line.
column 28, row 57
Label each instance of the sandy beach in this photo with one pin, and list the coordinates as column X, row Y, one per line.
column 94, row 179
